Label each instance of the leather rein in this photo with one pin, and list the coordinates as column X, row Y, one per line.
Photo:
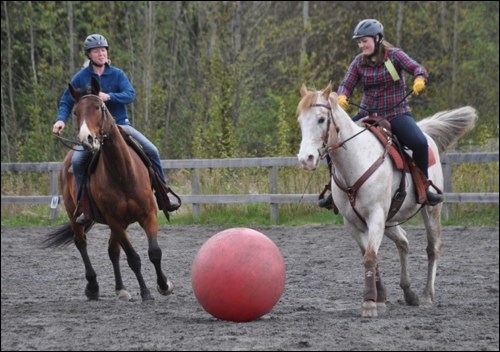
column 102, row 132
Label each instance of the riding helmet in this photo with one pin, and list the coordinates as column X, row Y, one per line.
column 368, row 28
column 94, row 41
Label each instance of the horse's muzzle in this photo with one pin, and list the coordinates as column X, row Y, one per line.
column 308, row 162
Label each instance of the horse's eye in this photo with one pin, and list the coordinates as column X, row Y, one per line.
column 321, row 120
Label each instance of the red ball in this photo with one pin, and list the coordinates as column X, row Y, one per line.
column 238, row 275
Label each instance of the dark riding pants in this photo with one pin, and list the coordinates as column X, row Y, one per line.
column 411, row 136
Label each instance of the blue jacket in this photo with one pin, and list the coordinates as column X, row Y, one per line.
column 113, row 82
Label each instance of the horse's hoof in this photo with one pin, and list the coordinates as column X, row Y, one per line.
column 411, row 299
column 169, row 290
column 92, row 295
column 123, row 295
column 146, row 295
column 369, row 309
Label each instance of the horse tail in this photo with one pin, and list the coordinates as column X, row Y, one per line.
column 61, row 237
column 447, row 127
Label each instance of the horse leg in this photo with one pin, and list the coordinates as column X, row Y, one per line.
column 381, row 292
column 114, row 255
column 398, row 236
column 432, row 220
column 134, row 262
column 80, row 239
column 165, row 287
column 369, row 242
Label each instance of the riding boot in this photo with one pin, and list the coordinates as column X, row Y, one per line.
column 170, row 203
column 81, row 219
column 173, row 202
column 433, row 198
column 327, row 201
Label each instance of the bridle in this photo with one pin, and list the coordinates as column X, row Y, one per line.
column 103, row 134
column 352, row 190
column 326, row 149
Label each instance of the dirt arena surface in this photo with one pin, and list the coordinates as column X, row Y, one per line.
column 44, row 306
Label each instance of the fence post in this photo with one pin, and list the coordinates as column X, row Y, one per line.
column 195, row 189
column 54, row 192
column 447, row 178
column 273, row 182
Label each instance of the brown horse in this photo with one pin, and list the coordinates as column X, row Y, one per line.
column 121, row 190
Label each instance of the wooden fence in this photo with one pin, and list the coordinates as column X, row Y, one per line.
column 274, row 199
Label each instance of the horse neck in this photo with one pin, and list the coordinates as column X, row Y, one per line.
column 116, row 152
column 356, row 144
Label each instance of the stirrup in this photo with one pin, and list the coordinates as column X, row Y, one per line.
column 326, row 202
column 174, row 202
column 433, row 198
column 172, row 205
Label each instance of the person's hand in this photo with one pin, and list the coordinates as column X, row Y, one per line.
column 58, row 127
column 418, row 85
column 342, row 101
column 104, row 96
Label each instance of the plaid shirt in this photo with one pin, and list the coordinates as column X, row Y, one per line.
column 380, row 91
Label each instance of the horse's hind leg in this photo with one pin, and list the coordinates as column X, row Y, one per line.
column 114, row 249
column 432, row 220
column 92, row 288
column 398, row 236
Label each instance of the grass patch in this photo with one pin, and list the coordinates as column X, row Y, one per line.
column 469, row 215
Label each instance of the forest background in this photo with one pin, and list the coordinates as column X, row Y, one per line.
column 221, row 79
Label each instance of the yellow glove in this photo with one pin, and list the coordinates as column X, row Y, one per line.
column 342, row 101
column 418, row 85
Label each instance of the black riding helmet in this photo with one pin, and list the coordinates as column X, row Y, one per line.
column 94, row 41
column 368, row 28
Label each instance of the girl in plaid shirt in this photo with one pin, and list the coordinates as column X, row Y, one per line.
column 379, row 68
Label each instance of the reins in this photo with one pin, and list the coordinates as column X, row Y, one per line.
column 351, row 191
column 329, row 149
column 388, row 109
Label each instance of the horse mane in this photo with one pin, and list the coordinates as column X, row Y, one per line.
column 306, row 102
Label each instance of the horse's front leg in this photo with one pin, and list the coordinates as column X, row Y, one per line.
column 114, row 249
column 80, row 239
column 165, row 287
column 370, row 242
column 133, row 260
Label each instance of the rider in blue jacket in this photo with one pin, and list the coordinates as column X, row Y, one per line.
column 116, row 92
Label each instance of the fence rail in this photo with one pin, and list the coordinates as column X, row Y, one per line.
column 274, row 199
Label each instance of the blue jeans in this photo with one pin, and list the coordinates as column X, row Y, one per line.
column 81, row 157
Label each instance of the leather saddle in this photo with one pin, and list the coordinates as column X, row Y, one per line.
column 86, row 203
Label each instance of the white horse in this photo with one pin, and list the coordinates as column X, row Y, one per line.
column 353, row 151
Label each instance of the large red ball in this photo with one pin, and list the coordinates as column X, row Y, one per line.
column 238, row 275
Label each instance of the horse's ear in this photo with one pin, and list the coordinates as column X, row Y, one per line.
column 332, row 99
column 75, row 94
column 96, row 88
column 303, row 90
column 327, row 91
